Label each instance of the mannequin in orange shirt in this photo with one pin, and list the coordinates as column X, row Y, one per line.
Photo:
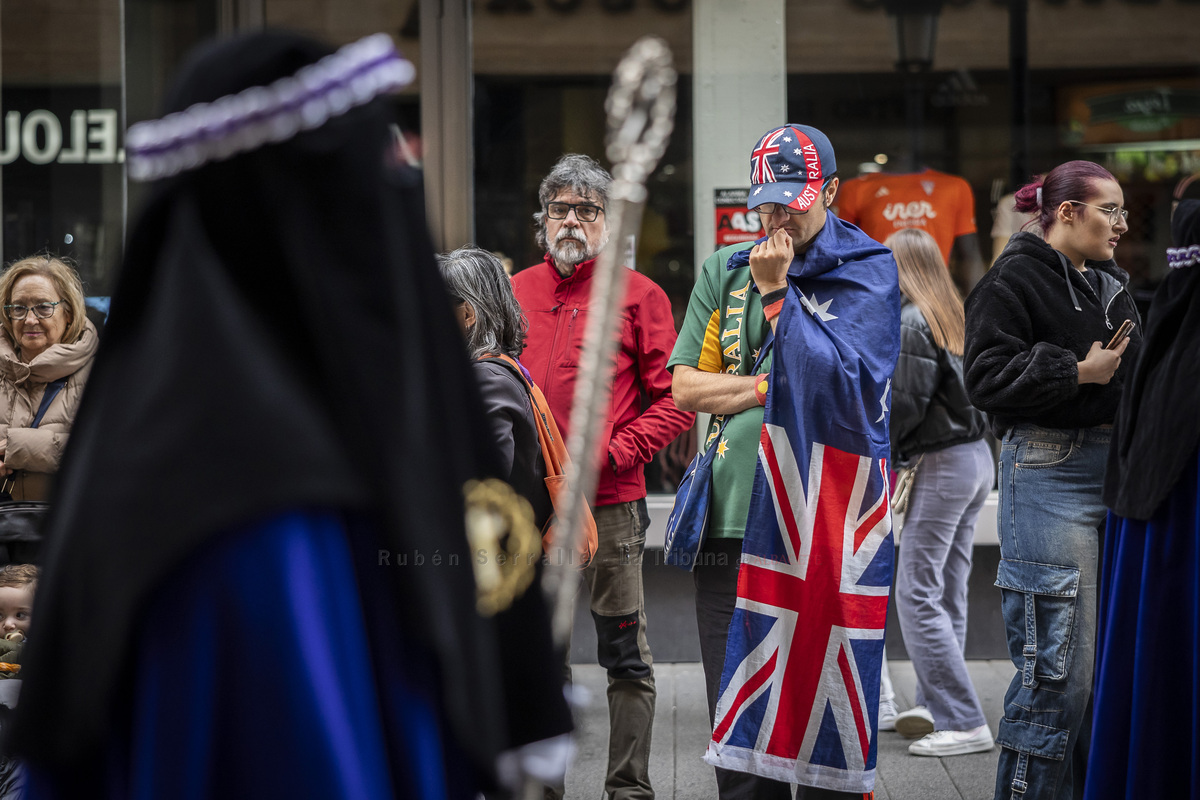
column 939, row 203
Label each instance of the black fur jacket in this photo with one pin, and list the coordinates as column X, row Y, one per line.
column 1030, row 321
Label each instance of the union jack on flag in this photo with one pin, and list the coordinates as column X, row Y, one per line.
column 799, row 694
column 760, row 167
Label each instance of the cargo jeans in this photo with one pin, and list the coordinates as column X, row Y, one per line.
column 1049, row 518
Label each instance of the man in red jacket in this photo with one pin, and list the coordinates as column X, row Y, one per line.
column 642, row 419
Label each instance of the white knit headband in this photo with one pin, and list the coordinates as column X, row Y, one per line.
column 239, row 123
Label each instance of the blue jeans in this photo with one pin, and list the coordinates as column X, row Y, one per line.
column 934, row 560
column 1049, row 515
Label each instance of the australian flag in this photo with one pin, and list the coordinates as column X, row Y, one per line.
column 799, row 695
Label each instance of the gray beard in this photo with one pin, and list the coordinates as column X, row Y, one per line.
column 571, row 252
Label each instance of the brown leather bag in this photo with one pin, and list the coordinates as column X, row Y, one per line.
column 554, row 453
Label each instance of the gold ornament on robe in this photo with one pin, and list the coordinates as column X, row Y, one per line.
column 505, row 544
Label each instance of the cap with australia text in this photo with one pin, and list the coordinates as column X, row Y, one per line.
column 789, row 165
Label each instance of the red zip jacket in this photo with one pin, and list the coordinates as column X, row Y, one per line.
column 557, row 310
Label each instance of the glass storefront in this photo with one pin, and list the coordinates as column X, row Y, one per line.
column 61, row 180
column 1115, row 81
column 1112, row 81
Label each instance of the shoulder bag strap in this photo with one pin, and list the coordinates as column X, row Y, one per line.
column 52, row 390
column 547, row 428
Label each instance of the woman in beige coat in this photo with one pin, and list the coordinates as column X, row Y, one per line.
column 46, row 348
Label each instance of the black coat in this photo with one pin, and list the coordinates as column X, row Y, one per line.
column 514, row 431
column 524, row 628
column 1025, row 338
column 280, row 338
column 1157, row 430
column 930, row 409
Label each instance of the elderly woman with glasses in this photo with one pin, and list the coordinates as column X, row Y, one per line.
column 46, row 350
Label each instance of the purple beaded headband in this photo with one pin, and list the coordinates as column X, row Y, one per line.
column 1180, row 257
column 239, row 123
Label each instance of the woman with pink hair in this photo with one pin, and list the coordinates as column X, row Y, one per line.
column 1045, row 359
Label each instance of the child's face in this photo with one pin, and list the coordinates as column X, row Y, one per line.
column 16, row 607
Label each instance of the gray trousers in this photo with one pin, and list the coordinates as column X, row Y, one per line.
column 931, row 584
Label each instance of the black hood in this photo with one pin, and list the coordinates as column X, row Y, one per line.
column 1157, row 429
column 280, row 337
column 1032, row 246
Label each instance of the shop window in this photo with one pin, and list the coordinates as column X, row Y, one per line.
column 72, row 80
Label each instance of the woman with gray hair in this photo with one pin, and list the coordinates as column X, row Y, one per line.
column 493, row 325
column 488, row 312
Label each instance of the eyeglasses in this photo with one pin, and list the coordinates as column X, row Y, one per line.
column 41, row 310
column 584, row 212
column 1114, row 213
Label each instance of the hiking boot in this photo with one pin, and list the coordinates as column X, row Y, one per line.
column 954, row 743
column 914, row 723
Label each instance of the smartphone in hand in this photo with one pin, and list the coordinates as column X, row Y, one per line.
column 1121, row 334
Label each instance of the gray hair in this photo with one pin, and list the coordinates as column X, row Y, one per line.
column 578, row 173
column 474, row 275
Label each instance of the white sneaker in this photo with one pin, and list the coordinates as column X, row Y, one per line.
column 887, row 715
column 915, row 722
column 954, row 743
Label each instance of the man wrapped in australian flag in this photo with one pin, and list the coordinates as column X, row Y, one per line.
column 792, row 609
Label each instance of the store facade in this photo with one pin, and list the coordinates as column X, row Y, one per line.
column 1115, row 81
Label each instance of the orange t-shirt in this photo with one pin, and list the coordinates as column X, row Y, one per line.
column 882, row 204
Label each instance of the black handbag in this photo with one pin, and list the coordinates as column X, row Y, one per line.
column 21, row 531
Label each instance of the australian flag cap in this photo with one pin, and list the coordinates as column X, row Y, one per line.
column 789, row 165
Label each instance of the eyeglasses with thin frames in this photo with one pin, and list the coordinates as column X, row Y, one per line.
column 1114, row 213
column 767, row 209
column 41, row 310
column 584, row 212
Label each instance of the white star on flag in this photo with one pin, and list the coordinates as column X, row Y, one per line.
column 798, row 151
column 784, row 168
column 759, row 189
column 883, row 401
column 816, row 308
column 787, row 138
column 787, row 194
